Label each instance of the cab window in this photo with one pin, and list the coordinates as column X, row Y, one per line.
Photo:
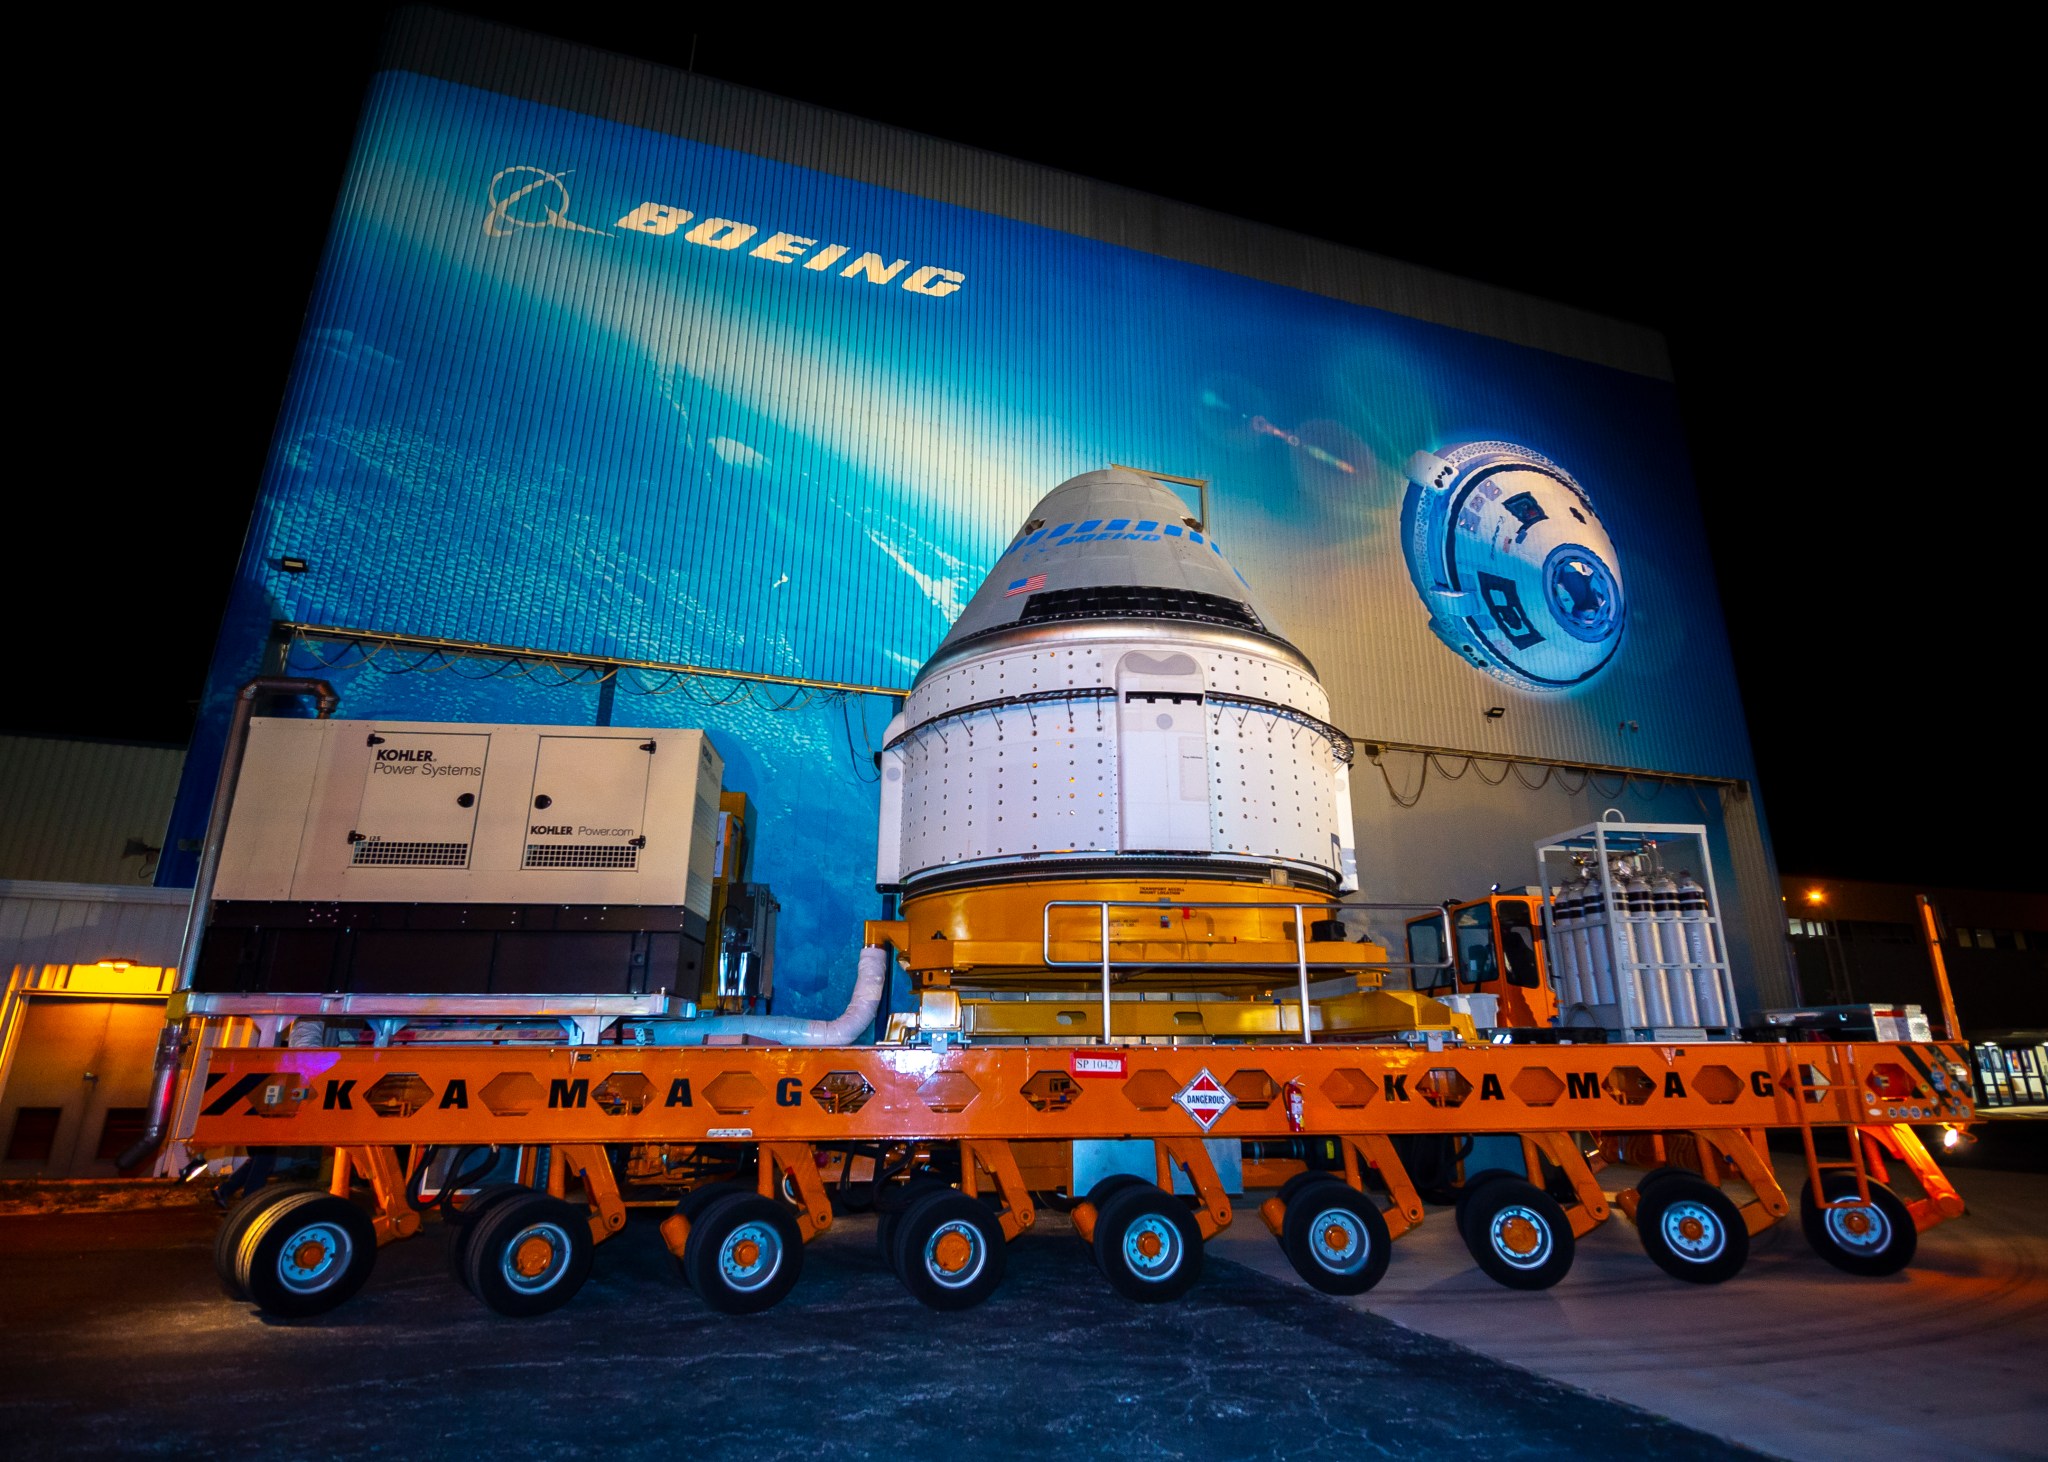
column 1474, row 929
column 1426, row 947
column 1518, row 944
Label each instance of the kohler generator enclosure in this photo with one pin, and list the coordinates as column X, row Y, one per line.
column 389, row 856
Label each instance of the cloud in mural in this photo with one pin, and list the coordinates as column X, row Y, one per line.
column 737, row 454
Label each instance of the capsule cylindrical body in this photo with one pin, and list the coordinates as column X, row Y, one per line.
column 1113, row 712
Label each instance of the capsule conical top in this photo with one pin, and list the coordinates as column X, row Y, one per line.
column 1113, row 544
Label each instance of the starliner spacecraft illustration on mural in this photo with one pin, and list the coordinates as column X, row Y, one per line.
column 1517, row 571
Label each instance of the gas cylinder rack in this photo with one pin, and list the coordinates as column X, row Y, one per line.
column 1635, row 935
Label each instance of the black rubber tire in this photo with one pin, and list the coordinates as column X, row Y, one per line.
column 694, row 1205
column 1104, row 1190
column 496, row 1242
column 695, row 1202
column 1664, row 1174
column 886, row 1219
column 1892, row 1237
column 925, row 1225
column 465, row 1216
column 1301, row 1180
column 274, row 1242
column 465, row 1219
column 1692, row 1230
column 1179, row 1264
column 227, row 1240
column 1491, row 1207
column 1472, row 1186
column 744, row 1218
column 1115, row 1183
column 1351, row 1267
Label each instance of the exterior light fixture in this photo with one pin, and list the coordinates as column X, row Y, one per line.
column 1494, row 713
column 293, row 565
column 1816, row 896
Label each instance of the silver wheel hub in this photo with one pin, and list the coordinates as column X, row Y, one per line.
column 1691, row 1231
column 1506, row 1224
column 314, row 1258
column 750, row 1257
column 977, row 1254
column 1337, row 1239
column 1861, row 1229
column 1152, row 1248
column 549, row 1273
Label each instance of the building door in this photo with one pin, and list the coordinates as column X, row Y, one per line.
column 79, row 1085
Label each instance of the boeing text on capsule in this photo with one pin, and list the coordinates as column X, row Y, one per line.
column 1514, row 565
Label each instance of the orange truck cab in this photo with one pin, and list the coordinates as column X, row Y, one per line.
column 1499, row 950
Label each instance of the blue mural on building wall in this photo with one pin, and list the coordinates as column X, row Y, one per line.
column 571, row 385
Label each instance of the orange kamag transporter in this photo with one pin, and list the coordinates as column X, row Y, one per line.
column 757, row 1148
column 1118, row 823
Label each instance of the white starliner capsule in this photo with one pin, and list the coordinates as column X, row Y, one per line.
column 1115, row 702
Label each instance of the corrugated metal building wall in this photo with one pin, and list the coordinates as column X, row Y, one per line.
column 71, row 809
column 83, row 923
column 504, row 429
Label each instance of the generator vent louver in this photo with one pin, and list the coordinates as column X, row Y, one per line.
column 382, row 853
column 582, row 855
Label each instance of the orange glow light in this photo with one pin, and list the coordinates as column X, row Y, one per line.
column 1815, row 896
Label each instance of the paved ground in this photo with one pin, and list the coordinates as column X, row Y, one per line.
column 120, row 1343
column 118, row 1340
column 1792, row 1357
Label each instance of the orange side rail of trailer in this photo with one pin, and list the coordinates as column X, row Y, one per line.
column 980, row 1128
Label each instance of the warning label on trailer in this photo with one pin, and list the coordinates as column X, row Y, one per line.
column 1099, row 1063
column 1205, row 1100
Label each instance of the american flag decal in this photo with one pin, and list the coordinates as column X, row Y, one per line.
column 1025, row 586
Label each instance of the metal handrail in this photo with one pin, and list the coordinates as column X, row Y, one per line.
column 1299, row 962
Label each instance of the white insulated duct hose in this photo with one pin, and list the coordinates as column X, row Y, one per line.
column 787, row 1030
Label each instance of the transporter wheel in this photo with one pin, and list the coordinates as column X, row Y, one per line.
column 1104, row 1190
column 1303, row 1179
column 748, row 1254
column 1470, row 1189
column 227, row 1240
column 888, row 1219
column 1871, row 1239
column 692, row 1207
column 1519, row 1234
column 1692, row 1230
column 1147, row 1244
column 529, row 1254
column 950, row 1251
column 466, row 1218
column 1336, row 1238
column 306, row 1254
column 1664, row 1174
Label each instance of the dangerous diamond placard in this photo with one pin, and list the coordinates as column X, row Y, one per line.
column 1205, row 1100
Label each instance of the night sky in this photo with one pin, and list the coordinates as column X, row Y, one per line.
column 1797, row 227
